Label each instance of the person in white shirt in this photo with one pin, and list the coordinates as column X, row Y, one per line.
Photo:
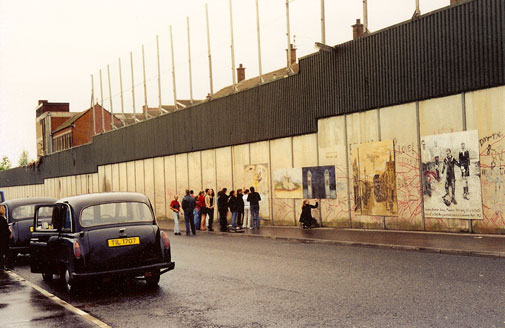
column 246, row 223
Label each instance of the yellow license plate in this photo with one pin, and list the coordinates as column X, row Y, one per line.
column 123, row 241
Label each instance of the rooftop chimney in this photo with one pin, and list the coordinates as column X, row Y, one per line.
column 358, row 29
column 240, row 73
column 293, row 54
column 455, row 1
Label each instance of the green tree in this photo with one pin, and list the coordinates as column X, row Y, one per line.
column 5, row 164
column 23, row 159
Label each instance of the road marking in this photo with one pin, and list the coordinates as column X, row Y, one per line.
column 59, row 301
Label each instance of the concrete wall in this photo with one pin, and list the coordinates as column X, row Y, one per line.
column 337, row 138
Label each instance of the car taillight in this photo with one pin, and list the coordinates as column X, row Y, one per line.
column 77, row 250
column 165, row 239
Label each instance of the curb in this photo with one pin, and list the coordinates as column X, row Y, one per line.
column 448, row 251
column 86, row 316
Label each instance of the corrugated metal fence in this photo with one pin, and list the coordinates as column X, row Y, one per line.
column 456, row 49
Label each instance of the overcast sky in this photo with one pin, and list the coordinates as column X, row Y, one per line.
column 50, row 48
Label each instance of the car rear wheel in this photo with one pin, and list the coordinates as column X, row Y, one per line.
column 68, row 283
column 47, row 276
column 154, row 279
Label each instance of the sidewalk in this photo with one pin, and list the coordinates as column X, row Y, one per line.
column 23, row 304
column 447, row 243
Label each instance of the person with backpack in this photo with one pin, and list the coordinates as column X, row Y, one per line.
column 188, row 206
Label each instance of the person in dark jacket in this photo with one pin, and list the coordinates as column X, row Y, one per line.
column 233, row 205
column 240, row 208
column 222, row 208
column 188, row 206
column 5, row 235
column 306, row 218
column 254, row 199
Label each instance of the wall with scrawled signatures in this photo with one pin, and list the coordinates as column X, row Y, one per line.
column 335, row 143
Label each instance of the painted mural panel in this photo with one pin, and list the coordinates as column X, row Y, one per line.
column 439, row 116
column 256, row 175
column 319, row 182
column 399, row 123
column 451, row 175
column 361, row 128
column 374, row 179
column 288, row 183
column 485, row 111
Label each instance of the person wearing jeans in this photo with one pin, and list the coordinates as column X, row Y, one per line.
column 247, row 211
column 254, row 199
column 176, row 208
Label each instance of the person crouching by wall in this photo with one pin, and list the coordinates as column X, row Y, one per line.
column 5, row 235
column 188, row 206
column 176, row 209
column 306, row 218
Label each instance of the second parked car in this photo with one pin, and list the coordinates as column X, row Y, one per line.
column 19, row 213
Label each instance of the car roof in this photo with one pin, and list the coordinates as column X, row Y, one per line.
column 101, row 198
column 28, row 201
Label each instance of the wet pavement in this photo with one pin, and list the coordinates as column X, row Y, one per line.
column 446, row 243
column 21, row 305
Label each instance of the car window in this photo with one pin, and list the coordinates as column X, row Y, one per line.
column 114, row 213
column 27, row 211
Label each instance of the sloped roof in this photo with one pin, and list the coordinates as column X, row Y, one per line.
column 70, row 121
column 255, row 81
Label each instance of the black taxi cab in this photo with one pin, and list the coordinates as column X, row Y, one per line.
column 97, row 236
column 19, row 213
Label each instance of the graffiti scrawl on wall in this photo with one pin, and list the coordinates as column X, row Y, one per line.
column 288, row 183
column 319, row 182
column 451, row 175
column 374, row 179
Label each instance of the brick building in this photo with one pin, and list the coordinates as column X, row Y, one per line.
column 49, row 116
column 78, row 130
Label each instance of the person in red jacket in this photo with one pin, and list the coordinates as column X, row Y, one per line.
column 175, row 206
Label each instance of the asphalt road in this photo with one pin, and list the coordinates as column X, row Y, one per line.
column 232, row 281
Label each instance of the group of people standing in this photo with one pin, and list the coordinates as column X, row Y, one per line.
column 199, row 210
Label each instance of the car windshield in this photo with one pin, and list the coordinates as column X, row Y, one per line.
column 114, row 213
column 27, row 211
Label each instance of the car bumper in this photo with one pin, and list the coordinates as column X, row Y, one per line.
column 137, row 271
